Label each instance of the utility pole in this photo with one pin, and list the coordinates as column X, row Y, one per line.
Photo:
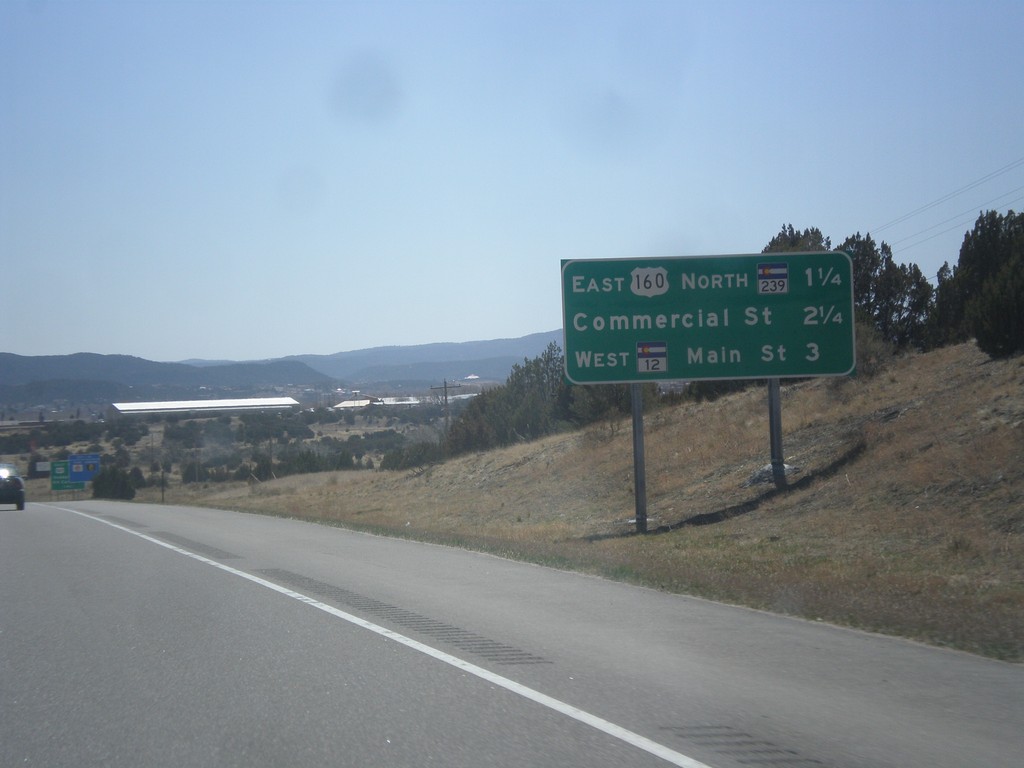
column 446, row 414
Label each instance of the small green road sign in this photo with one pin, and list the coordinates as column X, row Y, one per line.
column 760, row 316
column 60, row 477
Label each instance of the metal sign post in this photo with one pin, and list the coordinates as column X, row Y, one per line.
column 775, row 433
column 639, row 465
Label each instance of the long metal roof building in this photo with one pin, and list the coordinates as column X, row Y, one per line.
column 188, row 406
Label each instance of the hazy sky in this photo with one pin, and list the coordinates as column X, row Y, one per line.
column 247, row 180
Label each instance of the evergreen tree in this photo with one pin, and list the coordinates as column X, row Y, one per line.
column 790, row 239
column 902, row 298
column 895, row 299
column 534, row 401
column 973, row 298
column 946, row 323
column 997, row 313
column 868, row 262
column 112, row 483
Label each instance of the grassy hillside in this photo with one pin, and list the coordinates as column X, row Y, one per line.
column 905, row 513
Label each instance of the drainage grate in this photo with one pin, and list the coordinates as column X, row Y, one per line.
column 744, row 747
column 462, row 639
column 194, row 546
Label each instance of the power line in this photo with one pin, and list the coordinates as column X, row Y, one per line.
column 949, row 196
column 939, row 234
column 934, row 278
column 959, row 217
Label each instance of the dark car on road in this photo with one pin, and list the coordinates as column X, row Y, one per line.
column 12, row 487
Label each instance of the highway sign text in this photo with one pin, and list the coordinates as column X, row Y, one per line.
column 778, row 315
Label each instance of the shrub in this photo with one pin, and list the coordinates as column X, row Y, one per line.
column 415, row 455
column 112, row 483
column 137, row 478
column 194, row 472
column 996, row 314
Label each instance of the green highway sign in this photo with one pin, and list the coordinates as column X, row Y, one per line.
column 760, row 316
column 60, row 477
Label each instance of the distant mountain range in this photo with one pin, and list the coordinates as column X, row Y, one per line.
column 92, row 377
column 491, row 360
column 135, row 371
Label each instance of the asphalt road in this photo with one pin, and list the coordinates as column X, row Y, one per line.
column 141, row 635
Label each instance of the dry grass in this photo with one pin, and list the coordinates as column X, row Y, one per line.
column 905, row 516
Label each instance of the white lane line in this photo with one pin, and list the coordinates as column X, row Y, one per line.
column 556, row 705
